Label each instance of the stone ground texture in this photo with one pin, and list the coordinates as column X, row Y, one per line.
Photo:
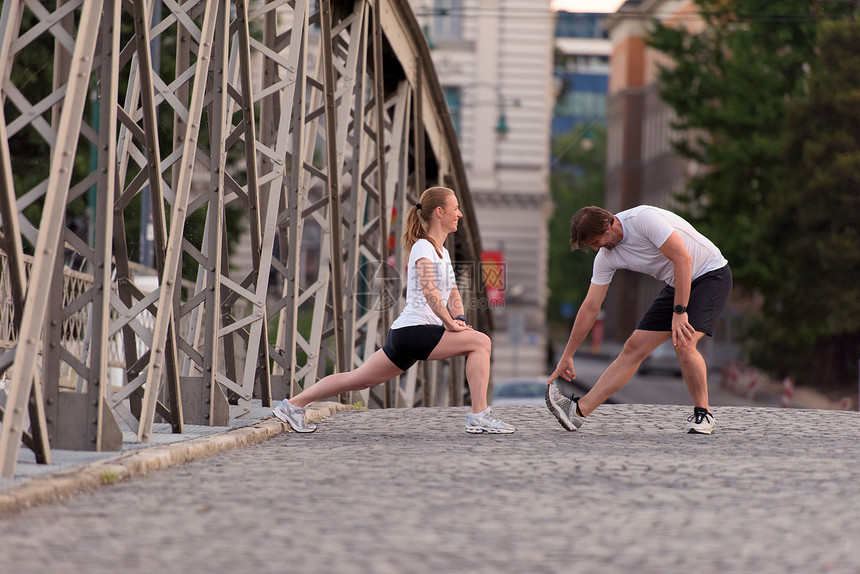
column 406, row 490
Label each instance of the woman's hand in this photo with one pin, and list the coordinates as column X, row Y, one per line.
column 458, row 325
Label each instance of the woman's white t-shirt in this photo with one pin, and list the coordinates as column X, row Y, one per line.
column 646, row 229
column 417, row 310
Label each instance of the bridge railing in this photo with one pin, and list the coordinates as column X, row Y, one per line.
column 317, row 123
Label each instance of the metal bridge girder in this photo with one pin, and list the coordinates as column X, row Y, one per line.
column 309, row 126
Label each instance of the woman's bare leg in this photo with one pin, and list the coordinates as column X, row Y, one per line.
column 375, row 370
column 477, row 347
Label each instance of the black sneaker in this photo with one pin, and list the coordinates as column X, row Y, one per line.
column 701, row 421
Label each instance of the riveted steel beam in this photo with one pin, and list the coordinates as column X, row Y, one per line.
column 24, row 375
column 316, row 123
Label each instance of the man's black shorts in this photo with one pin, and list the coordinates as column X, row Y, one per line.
column 406, row 345
column 708, row 297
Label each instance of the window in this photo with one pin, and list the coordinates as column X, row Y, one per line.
column 447, row 19
column 580, row 25
column 452, row 98
column 582, row 104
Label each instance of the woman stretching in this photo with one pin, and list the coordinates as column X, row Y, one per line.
column 432, row 325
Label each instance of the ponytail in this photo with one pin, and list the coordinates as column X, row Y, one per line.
column 419, row 215
column 414, row 230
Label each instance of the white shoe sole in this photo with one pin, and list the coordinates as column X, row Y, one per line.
column 559, row 413
column 481, row 430
column 707, row 426
column 283, row 417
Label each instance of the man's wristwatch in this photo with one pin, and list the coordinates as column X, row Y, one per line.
column 680, row 309
column 460, row 318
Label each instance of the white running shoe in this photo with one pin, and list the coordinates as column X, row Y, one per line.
column 487, row 422
column 293, row 416
column 701, row 421
column 563, row 408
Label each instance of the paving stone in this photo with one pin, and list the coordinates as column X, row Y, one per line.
column 406, row 490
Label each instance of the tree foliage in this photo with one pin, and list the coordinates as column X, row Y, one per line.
column 729, row 86
column 816, row 220
column 577, row 179
column 744, row 89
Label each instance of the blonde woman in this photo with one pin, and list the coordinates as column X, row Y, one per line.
column 431, row 326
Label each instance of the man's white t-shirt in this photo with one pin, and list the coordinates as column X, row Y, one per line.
column 417, row 310
column 646, row 229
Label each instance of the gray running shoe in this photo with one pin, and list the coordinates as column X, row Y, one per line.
column 293, row 416
column 701, row 421
column 487, row 422
column 563, row 408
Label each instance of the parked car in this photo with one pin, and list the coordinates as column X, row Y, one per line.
column 661, row 360
column 519, row 391
column 531, row 390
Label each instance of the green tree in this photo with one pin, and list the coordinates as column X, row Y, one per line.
column 577, row 179
column 729, row 86
column 811, row 319
column 734, row 84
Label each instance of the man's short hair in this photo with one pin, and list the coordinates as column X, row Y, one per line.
column 587, row 225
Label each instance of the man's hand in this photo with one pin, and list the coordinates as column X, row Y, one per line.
column 682, row 331
column 564, row 370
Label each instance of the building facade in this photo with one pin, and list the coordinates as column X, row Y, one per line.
column 582, row 50
column 494, row 60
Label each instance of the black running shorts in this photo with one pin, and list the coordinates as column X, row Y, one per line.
column 708, row 297
column 406, row 345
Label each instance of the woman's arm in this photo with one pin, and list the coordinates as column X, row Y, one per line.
column 427, row 280
column 455, row 303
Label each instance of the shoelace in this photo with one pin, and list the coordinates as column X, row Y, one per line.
column 491, row 416
column 296, row 410
column 699, row 416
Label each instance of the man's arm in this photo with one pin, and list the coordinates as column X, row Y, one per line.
column 585, row 318
column 674, row 250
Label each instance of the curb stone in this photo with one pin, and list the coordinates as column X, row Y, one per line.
column 139, row 462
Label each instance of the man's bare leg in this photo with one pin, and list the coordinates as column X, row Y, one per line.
column 695, row 371
column 623, row 368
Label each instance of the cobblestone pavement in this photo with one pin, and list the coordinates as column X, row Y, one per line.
column 403, row 491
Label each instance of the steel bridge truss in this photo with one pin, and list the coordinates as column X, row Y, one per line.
column 315, row 122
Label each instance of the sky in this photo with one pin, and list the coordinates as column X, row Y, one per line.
column 587, row 5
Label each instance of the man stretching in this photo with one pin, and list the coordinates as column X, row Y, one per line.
column 659, row 243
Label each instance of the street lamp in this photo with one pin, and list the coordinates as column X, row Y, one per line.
column 502, row 126
column 501, row 103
